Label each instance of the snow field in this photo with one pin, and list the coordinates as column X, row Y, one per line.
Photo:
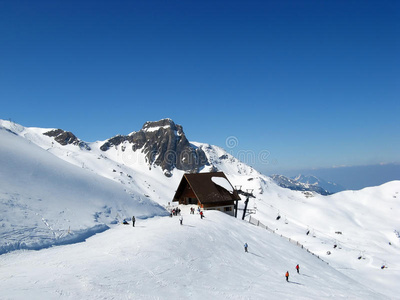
column 160, row 259
column 45, row 201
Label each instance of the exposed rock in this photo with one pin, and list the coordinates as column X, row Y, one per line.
column 66, row 138
column 115, row 141
column 164, row 143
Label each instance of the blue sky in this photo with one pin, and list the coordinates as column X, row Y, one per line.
column 314, row 83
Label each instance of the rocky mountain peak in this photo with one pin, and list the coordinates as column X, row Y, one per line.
column 166, row 124
column 164, row 143
column 66, row 138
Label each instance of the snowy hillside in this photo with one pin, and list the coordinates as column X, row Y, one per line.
column 160, row 259
column 59, row 189
column 46, row 201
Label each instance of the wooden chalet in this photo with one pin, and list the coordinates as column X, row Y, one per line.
column 210, row 191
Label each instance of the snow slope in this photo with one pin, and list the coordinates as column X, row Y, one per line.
column 361, row 223
column 41, row 205
column 160, row 259
column 355, row 231
column 46, row 201
column 120, row 163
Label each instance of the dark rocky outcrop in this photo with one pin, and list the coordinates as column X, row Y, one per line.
column 164, row 144
column 115, row 141
column 66, row 138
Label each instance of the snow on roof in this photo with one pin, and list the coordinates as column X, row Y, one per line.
column 222, row 182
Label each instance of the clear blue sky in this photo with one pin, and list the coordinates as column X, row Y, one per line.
column 315, row 83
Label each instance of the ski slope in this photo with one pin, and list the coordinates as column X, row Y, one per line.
column 160, row 259
column 45, row 201
column 61, row 195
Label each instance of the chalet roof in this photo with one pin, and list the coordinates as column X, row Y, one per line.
column 207, row 189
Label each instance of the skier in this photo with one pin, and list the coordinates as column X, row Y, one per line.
column 287, row 276
column 297, row 269
column 245, row 247
column 201, row 215
column 133, row 221
column 181, row 220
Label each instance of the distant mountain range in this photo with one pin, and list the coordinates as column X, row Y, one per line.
column 308, row 183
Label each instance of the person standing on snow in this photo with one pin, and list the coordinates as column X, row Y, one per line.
column 181, row 220
column 297, row 269
column 245, row 247
column 201, row 215
column 287, row 276
column 133, row 221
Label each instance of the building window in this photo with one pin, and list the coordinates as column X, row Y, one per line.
column 227, row 208
column 191, row 200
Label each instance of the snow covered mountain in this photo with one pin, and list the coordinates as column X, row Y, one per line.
column 295, row 185
column 308, row 183
column 311, row 180
column 164, row 144
column 57, row 189
column 46, row 201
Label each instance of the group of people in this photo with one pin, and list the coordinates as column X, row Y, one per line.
column 177, row 212
column 174, row 212
column 246, row 246
column 192, row 210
